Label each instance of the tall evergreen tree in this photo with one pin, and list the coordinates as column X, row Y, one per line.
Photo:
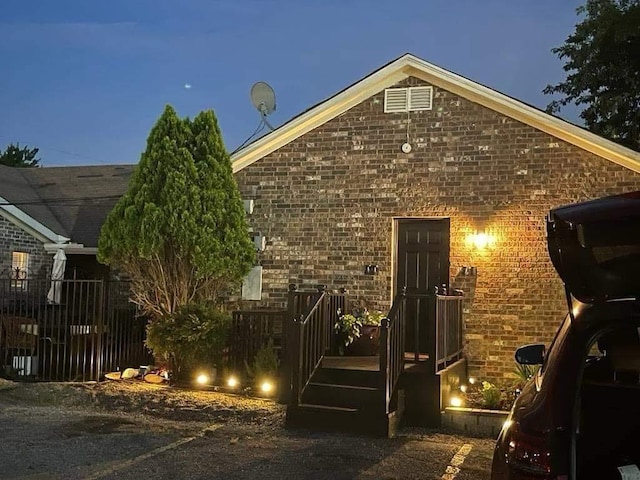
column 180, row 231
column 602, row 61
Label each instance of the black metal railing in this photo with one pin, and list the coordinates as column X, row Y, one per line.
column 392, row 348
column 250, row 331
column 309, row 340
column 449, row 330
column 420, row 312
column 68, row 330
column 308, row 337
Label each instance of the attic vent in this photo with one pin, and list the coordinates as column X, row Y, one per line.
column 408, row 99
column 395, row 100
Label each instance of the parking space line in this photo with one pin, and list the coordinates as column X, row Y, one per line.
column 456, row 462
column 152, row 453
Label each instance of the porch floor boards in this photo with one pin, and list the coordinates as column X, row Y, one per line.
column 368, row 363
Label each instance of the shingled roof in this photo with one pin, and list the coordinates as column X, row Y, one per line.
column 71, row 201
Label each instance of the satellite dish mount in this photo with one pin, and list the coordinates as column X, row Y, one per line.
column 264, row 99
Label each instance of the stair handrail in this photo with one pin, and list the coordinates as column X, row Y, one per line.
column 311, row 337
column 449, row 326
column 392, row 342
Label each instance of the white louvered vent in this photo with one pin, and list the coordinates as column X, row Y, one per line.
column 420, row 98
column 408, row 99
column 395, row 100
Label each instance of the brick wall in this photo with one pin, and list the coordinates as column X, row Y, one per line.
column 14, row 239
column 327, row 200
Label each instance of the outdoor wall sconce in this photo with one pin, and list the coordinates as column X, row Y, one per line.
column 481, row 240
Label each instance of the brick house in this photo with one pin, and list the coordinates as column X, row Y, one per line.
column 43, row 210
column 417, row 176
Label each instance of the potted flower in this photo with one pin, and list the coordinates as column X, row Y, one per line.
column 359, row 333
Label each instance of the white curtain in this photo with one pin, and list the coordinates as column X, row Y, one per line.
column 57, row 274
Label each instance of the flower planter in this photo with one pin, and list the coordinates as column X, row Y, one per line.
column 368, row 344
column 474, row 421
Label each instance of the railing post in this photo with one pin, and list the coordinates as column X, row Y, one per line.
column 296, row 363
column 100, row 320
column 402, row 315
column 288, row 344
column 438, row 325
column 289, row 355
column 384, row 362
column 324, row 327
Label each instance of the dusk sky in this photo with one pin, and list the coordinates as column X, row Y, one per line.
column 85, row 80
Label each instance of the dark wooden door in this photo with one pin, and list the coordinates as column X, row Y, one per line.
column 422, row 255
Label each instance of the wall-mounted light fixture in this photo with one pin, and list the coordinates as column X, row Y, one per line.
column 481, row 240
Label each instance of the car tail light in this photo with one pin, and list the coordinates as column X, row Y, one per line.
column 528, row 455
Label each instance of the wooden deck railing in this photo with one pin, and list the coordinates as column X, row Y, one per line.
column 449, row 330
column 392, row 347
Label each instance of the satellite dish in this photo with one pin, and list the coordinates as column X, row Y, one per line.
column 264, row 99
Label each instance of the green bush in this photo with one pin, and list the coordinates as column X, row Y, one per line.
column 491, row 395
column 194, row 336
column 265, row 363
column 525, row 372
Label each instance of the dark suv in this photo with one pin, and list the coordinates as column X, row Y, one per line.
column 579, row 416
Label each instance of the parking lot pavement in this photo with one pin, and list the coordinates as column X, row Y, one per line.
column 45, row 442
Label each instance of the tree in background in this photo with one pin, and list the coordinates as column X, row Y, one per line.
column 180, row 231
column 14, row 156
column 602, row 61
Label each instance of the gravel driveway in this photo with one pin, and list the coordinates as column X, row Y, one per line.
column 137, row 431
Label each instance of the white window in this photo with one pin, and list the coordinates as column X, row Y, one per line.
column 19, row 269
column 409, row 99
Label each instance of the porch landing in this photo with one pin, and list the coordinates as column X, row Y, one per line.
column 368, row 363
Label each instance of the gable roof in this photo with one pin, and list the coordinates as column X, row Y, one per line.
column 61, row 204
column 410, row 66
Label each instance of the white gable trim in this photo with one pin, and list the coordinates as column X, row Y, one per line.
column 409, row 65
column 315, row 117
column 29, row 224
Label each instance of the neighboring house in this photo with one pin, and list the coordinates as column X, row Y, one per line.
column 43, row 210
column 417, row 176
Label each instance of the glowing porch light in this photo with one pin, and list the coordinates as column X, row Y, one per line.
column 481, row 240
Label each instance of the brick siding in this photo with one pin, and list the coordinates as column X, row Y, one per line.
column 14, row 239
column 327, row 200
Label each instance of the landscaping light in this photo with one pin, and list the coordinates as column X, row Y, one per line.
column 232, row 382
column 202, row 379
column 463, row 388
column 266, row 387
column 455, row 401
column 472, row 380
